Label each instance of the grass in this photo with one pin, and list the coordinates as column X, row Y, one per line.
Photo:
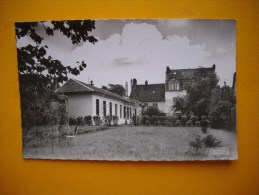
column 137, row 143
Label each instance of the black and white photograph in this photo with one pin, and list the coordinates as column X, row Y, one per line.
column 128, row 89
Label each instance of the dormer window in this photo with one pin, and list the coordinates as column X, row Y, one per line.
column 174, row 85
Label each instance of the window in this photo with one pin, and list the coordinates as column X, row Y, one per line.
column 127, row 112
column 104, row 108
column 130, row 113
column 116, row 112
column 174, row 85
column 135, row 112
column 155, row 105
column 120, row 111
column 124, row 112
column 110, row 109
column 97, row 107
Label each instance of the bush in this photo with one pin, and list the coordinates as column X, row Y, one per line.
column 79, row 120
column 72, row 121
column 197, row 143
column 184, row 120
column 220, row 115
column 108, row 120
column 97, row 120
column 115, row 120
column 88, row 120
column 204, row 124
column 144, row 119
column 152, row 111
column 134, row 120
column 211, row 141
column 167, row 123
column 193, row 119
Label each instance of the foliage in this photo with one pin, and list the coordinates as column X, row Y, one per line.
column 211, row 141
column 181, row 104
column 197, row 143
column 115, row 120
column 88, row 120
column 97, row 120
column 200, row 91
column 204, row 123
column 118, row 89
column 220, row 109
column 39, row 73
column 115, row 88
column 108, row 120
column 183, row 120
column 152, row 111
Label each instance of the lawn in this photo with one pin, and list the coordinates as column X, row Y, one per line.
column 138, row 143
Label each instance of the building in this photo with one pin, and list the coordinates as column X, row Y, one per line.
column 86, row 99
column 164, row 95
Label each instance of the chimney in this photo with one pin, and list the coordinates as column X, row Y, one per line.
column 126, row 89
column 146, row 83
column 167, row 70
column 134, row 84
column 213, row 67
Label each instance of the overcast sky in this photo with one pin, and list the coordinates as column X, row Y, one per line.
column 142, row 49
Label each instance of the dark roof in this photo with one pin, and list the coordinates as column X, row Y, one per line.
column 75, row 86
column 149, row 92
column 181, row 74
column 185, row 74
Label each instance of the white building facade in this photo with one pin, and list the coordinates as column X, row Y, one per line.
column 85, row 99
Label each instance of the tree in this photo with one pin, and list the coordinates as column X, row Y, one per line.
column 39, row 73
column 115, row 88
column 152, row 111
column 118, row 89
column 200, row 91
column 222, row 100
column 181, row 104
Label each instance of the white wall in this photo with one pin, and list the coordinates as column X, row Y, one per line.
column 79, row 105
column 85, row 104
column 169, row 95
column 113, row 101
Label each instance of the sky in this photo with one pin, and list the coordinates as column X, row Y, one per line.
column 142, row 49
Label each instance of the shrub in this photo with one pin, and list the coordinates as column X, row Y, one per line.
column 72, row 121
column 184, row 120
column 134, row 120
column 108, row 120
column 152, row 111
column 188, row 123
column 174, row 119
column 197, row 143
column 97, row 120
column 167, row 123
column 157, row 123
column 88, row 120
column 147, row 122
column 204, row 124
column 115, row 120
column 177, row 123
column 193, row 119
column 211, row 141
column 154, row 119
column 79, row 120
column 144, row 119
